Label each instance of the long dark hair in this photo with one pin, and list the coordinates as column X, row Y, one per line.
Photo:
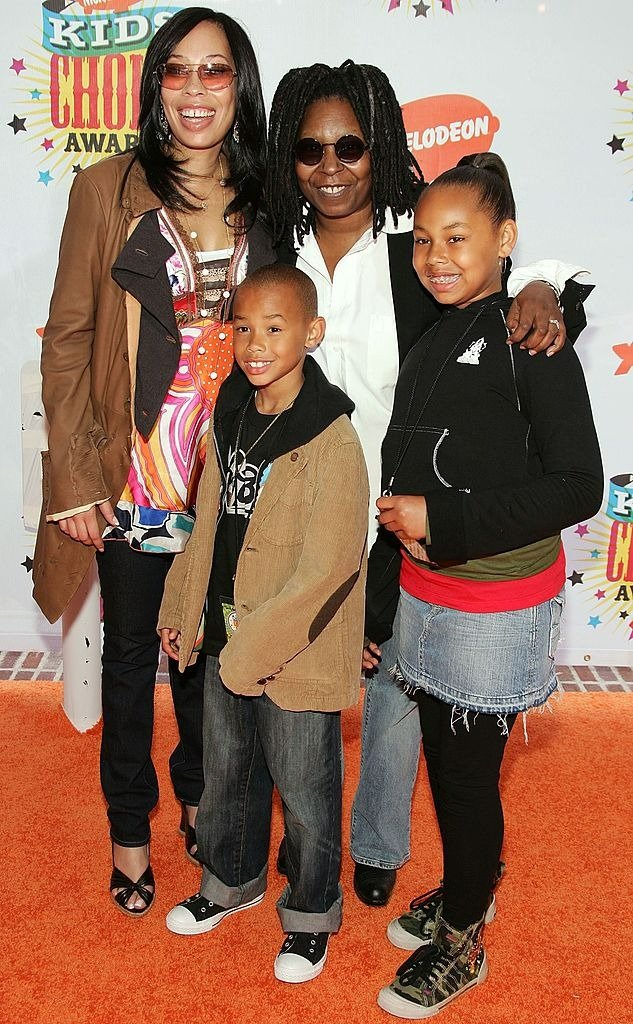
column 247, row 159
column 487, row 175
column 396, row 176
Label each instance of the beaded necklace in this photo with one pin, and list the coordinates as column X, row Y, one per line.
column 199, row 304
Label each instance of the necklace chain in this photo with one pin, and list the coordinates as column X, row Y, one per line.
column 204, row 307
column 268, row 427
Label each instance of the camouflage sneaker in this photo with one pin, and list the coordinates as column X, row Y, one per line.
column 415, row 928
column 435, row 975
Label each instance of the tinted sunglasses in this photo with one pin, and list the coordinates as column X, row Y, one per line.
column 349, row 149
column 212, row 76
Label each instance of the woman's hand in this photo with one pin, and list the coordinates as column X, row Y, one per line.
column 536, row 320
column 170, row 642
column 371, row 656
column 84, row 526
column 404, row 515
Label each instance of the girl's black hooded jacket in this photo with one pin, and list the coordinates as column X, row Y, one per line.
column 502, row 445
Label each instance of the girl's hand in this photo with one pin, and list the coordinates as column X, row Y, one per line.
column 371, row 656
column 536, row 320
column 404, row 515
column 170, row 642
column 84, row 526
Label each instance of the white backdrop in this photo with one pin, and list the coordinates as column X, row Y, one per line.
column 546, row 83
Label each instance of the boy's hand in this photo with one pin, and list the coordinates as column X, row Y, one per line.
column 536, row 320
column 371, row 656
column 404, row 515
column 170, row 642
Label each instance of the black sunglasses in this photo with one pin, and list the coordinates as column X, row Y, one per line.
column 349, row 149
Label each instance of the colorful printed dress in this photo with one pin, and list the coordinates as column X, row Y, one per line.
column 156, row 509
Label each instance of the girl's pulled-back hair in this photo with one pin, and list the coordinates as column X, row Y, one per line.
column 168, row 180
column 487, row 175
column 396, row 176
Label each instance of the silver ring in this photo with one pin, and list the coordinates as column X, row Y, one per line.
column 555, row 322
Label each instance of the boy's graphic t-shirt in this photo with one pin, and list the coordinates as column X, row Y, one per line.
column 245, row 467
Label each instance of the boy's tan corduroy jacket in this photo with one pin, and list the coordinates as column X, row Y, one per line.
column 300, row 581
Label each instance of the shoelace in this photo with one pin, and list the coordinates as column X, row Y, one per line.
column 430, row 967
column 432, row 894
column 438, row 892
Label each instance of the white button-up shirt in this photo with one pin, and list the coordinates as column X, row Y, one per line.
column 360, row 350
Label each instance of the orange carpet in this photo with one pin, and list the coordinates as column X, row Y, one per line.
column 559, row 950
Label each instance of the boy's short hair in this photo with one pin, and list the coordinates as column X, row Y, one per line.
column 285, row 274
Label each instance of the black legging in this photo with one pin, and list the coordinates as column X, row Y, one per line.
column 463, row 767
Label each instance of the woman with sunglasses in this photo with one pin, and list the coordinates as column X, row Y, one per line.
column 134, row 351
column 341, row 186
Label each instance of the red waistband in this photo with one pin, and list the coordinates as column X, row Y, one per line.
column 483, row 595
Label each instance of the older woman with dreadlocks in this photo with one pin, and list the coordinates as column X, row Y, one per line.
column 341, row 186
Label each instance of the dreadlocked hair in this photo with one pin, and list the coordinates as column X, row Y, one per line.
column 396, row 176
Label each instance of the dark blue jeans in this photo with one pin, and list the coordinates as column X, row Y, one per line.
column 132, row 584
column 251, row 745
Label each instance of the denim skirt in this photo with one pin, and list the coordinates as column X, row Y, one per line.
column 493, row 662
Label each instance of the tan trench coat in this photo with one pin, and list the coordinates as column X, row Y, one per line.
column 88, row 358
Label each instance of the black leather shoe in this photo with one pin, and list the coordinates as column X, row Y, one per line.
column 374, row 885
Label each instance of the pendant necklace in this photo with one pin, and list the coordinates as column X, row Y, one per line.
column 206, row 306
column 268, row 427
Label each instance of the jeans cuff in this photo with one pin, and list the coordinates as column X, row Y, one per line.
column 231, row 896
column 304, row 921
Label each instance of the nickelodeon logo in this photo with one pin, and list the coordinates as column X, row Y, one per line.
column 442, row 129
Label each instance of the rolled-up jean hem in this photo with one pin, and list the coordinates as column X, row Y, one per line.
column 305, row 921
column 231, row 896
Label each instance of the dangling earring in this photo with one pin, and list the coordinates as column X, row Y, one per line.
column 236, row 133
column 502, row 264
column 164, row 132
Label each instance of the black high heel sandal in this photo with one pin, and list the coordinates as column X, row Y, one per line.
column 189, row 832
column 127, row 888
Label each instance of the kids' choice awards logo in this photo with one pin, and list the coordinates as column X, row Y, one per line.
column 602, row 563
column 78, row 94
column 442, row 129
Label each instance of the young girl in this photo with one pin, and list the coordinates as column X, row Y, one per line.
column 488, row 456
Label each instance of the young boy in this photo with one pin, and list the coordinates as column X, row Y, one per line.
column 278, row 552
